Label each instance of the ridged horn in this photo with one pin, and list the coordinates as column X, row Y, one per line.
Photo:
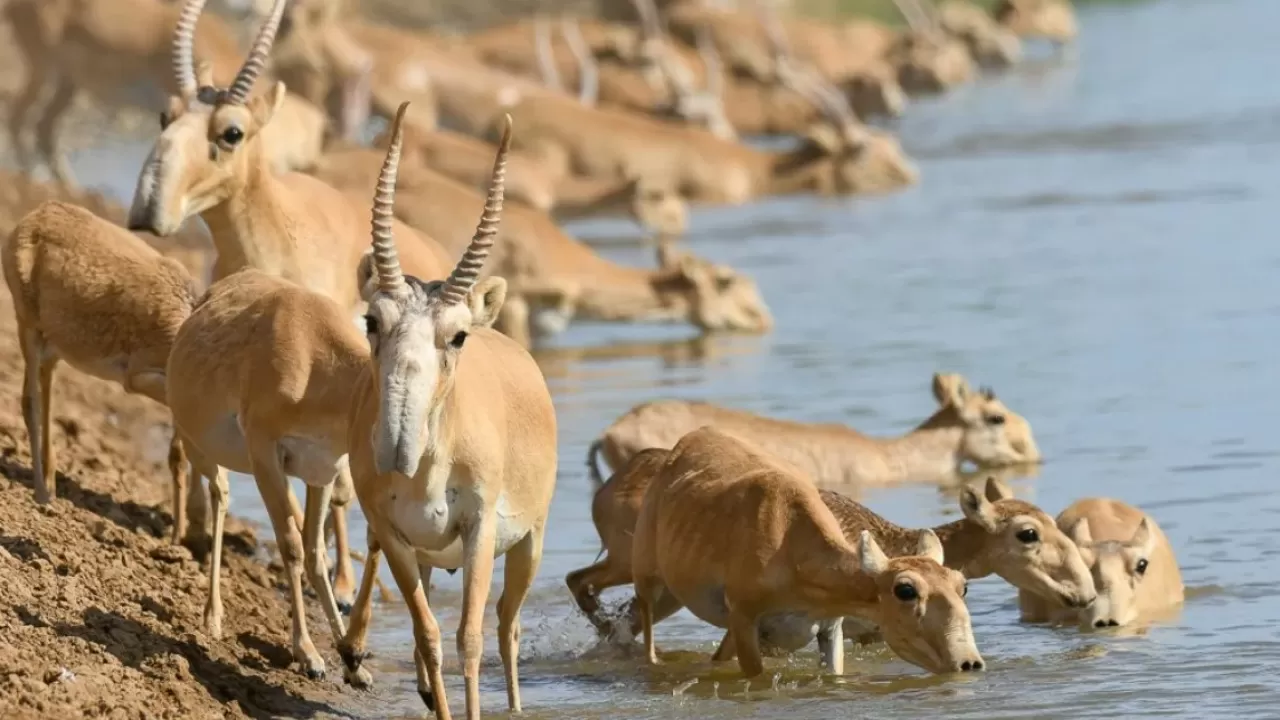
column 184, row 36
column 386, row 261
column 588, row 73
column 258, row 55
column 545, row 52
column 458, row 286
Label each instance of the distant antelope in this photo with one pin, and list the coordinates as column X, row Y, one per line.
column 992, row 45
column 211, row 159
column 1053, row 20
column 115, row 50
column 744, row 542
column 453, row 452
column 90, row 293
column 998, row 535
column 968, row 426
column 1133, row 565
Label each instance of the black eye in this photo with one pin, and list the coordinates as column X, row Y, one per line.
column 370, row 325
column 458, row 339
column 1141, row 567
column 995, row 419
column 1028, row 536
column 906, row 592
column 232, row 135
column 164, row 120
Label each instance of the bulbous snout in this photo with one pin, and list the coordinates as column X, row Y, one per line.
column 395, row 455
column 970, row 664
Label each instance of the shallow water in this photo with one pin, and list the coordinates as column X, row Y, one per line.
column 1092, row 238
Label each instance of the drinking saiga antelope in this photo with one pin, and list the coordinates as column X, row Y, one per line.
column 968, row 426
column 998, row 535
column 1133, row 566
column 211, row 159
column 742, row 541
column 90, row 293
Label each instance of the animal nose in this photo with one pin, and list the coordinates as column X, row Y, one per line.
column 1105, row 623
column 1078, row 601
column 971, row 666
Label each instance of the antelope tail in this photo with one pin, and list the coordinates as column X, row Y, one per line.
column 593, row 466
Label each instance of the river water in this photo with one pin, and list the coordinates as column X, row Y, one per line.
column 1091, row 238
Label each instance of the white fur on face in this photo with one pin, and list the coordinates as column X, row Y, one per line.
column 408, row 364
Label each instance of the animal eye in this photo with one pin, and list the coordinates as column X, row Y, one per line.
column 232, row 135
column 458, row 339
column 1141, row 567
column 1028, row 536
column 164, row 120
column 995, row 419
column 370, row 325
column 906, row 592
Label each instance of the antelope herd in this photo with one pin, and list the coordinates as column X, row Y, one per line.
column 375, row 365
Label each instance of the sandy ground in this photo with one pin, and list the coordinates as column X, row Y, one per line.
column 99, row 615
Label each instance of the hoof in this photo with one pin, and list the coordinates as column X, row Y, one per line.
column 428, row 699
column 351, row 658
column 313, row 671
column 360, row 679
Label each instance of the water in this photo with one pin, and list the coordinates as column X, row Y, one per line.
column 1092, row 238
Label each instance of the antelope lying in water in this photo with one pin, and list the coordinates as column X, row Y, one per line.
column 1133, row 565
column 211, row 159
column 115, row 50
column 999, row 535
column 554, row 279
column 968, row 425
column 453, row 451
column 743, row 542
column 90, row 293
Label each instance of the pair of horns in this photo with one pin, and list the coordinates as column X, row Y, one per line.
column 806, row 83
column 588, row 81
column 386, row 260
column 920, row 16
column 184, row 60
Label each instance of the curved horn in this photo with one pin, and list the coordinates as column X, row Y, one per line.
column 184, row 64
column 386, row 260
column 588, row 73
column 650, row 28
column 913, row 14
column 546, row 56
column 258, row 54
column 711, row 61
column 467, row 272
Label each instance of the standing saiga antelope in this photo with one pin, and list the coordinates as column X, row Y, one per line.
column 260, row 381
column 88, row 292
column 1133, row 565
column 452, row 445
column 744, row 542
column 210, row 159
column 967, row 426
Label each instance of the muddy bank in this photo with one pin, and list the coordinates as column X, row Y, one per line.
column 99, row 615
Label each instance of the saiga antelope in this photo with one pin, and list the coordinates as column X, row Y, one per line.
column 115, row 51
column 260, row 381
column 998, row 535
column 88, row 292
column 743, row 541
column 1053, row 20
column 289, row 225
column 967, row 426
column 1133, row 565
column 453, row 452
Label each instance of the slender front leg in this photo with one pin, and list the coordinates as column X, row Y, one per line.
column 664, row 606
column 48, row 137
column 344, row 573
column 404, row 567
column 522, row 566
column 647, row 588
column 477, row 576
column 746, row 635
column 727, row 649
column 831, row 645
column 352, row 646
column 35, row 392
column 219, row 493
column 586, row 585
column 278, row 499
column 178, row 471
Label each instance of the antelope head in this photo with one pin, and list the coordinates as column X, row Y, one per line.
column 921, row 609
column 658, row 207
column 417, row 329
column 1024, row 546
column 1053, row 20
column 1118, row 568
column 992, row 434
column 875, row 92
column 209, row 137
column 715, row 297
column 928, row 60
column 991, row 44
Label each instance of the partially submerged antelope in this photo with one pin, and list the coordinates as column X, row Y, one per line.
column 998, row 535
column 1133, row 566
column 743, row 542
column 452, row 441
column 88, row 292
column 969, row 425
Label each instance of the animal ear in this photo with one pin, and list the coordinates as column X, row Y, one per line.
column 997, row 490
column 978, row 509
column 946, row 385
column 264, row 108
column 204, row 74
column 826, row 137
column 1143, row 538
column 486, row 301
column 1080, row 533
column 871, row 557
column 930, row 546
column 364, row 276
